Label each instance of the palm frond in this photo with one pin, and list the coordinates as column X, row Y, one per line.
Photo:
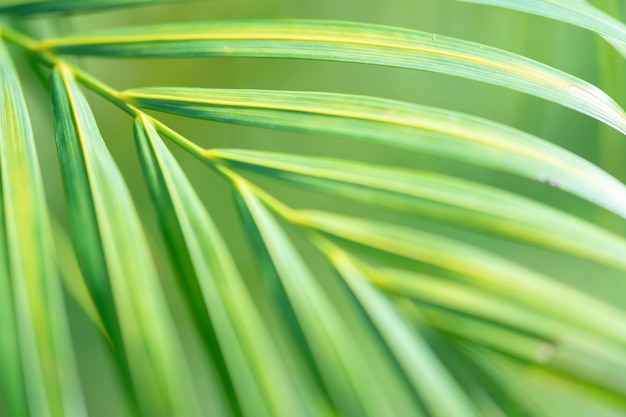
column 337, row 315
column 516, row 320
column 41, row 376
column 117, row 263
column 223, row 307
column 481, row 267
column 363, row 380
column 394, row 123
column 438, row 197
column 73, row 278
column 405, row 336
column 440, row 394
column 349, row 42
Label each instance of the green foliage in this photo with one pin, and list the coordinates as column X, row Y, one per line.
column 383, row 308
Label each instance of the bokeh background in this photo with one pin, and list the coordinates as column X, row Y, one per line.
column 574, row 50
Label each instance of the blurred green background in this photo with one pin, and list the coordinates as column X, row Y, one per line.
column 573, row 50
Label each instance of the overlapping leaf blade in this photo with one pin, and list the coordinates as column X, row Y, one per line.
column 350, row 42
column 264, row 383
column 569, row 365
column 39, row 375
column 576, row 12
column 438, row 197
column 399, row 124
column 493, row 392
column 12, row 390
column 179, row 212
column 26, row 7
column 481, row 387
column 477, row 267
column 116, row 261
column 360, row 378
column 318, row 314
column 438, row 390
column 506, row 320
column 73, row 279
column 516, row 329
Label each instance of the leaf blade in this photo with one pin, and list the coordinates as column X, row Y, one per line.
column 399, row 124
column 118, row 260
column 265, row 386
column 496, row 321
column 437, row 197
column 26, row 7
column 341, row 360
column 350, row 42
column 41, row 340
column 479, row 267
column 438, row 390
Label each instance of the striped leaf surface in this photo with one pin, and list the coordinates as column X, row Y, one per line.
column 348, row 42
column 116, row 260
column 39, row 375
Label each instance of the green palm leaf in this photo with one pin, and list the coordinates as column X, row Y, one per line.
column 340, row 316
column 398, row 124
column 450, row 200
column 25, row 7
column 504, row 325
column 349, row 42
column 116, row 261
column 73, row 278
column 440, row 393
column 478, row 266
column 511, row 320
column 40, row 377
column 224, row 309
column 576, row 12
column 363, row 380
column 489, row 385
column 12, row 389
column 500, row 350
column 488, row 397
